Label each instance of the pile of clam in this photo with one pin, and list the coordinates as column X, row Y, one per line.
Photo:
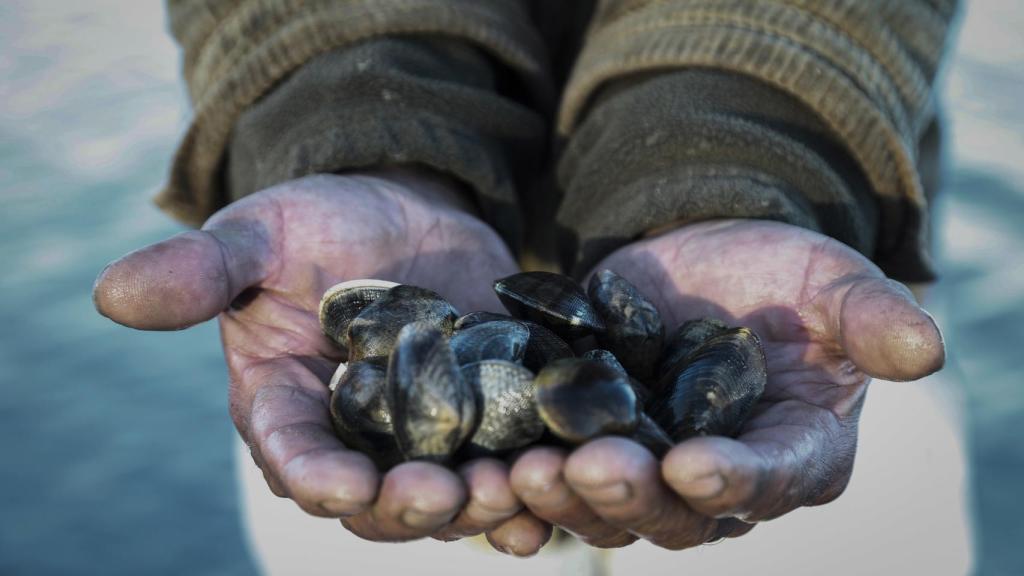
column 565, row 366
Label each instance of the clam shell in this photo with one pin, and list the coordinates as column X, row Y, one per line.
column 687, row 338
column 543, row 347
column 374, row 331
column 433, row 409
column 715, row 389
column 341, row 303
column 651, row 436
column 479, row 317
column 605, row 357
column 359, row 411
column 642, row 393
column 552, row 300
column 495, row 340
column 509, row 417
column 633, row 328
column 580, row 399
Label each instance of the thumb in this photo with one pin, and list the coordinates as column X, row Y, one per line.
column 186, row 279
column 883, row 330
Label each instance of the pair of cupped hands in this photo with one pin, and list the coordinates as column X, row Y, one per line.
column 828, row 318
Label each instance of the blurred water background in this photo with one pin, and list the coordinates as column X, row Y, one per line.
column 116, row 444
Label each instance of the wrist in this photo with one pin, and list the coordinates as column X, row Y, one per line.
column 428, row 186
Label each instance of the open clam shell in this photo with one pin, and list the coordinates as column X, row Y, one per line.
column 433, row 409
column 375, row 330
column 508, row 408
column 633, row 328
column 552, row 300
column 580, row 399
column 715, row 389
column 343, row 302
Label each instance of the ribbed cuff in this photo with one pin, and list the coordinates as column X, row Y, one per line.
column 235, row 53
column 866, row 80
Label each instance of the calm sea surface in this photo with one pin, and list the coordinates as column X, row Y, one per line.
column 115, row 444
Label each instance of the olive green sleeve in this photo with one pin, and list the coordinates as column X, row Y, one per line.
column 285, row 88
column 819, row 113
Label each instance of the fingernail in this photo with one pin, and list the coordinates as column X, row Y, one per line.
column 414, row 518
column 608, row 494
column 340, row 508
column 703, row 487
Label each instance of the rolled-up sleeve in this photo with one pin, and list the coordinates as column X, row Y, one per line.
column 285, row 88
column 811, row 112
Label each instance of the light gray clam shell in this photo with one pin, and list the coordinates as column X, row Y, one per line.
column 433, row 409
column 715, row 389
column 342, row 302
column 555, row 301
column 359, row 412
column 634, row 332
column 495, row 340
column 375, row 330
column 509, row 417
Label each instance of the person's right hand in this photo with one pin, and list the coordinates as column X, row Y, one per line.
column 262, row 264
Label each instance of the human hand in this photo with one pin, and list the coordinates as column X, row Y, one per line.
column 829, row 321
column 261, row 265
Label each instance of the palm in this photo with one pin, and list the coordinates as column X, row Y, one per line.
column 828, row 319
column 261, row 265
column 330, row 229
column 786, row 283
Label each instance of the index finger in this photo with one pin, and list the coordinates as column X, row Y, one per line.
column 282, row 413
column 795, row 454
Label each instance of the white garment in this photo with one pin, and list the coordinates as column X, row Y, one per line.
column 904, row 512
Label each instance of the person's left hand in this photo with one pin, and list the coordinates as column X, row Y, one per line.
column 828, row 319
